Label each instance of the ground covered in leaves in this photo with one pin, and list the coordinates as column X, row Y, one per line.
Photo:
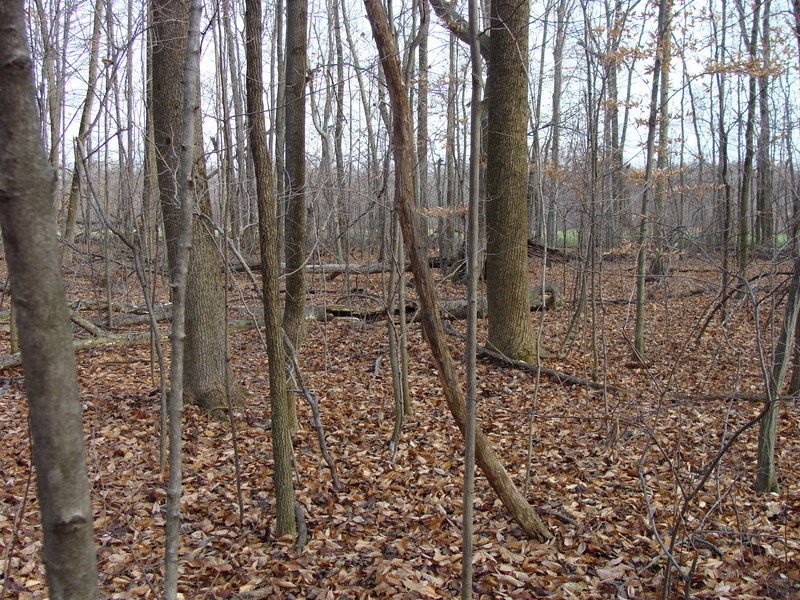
column 627, row 481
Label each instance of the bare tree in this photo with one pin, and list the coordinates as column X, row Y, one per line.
column 510, row 323
column 268, row 229
column 27, row 184
column 486, row 458
column 206, row 357
column 85, row 122
column 295, row 156
column 185, row 189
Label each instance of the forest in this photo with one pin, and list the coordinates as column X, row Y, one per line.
column 400, row 299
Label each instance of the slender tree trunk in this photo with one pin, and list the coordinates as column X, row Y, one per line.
column 85, row 123
column 268, row 230
column 746, row 187
column 473, row 272
column 451, row 184
column 662, row 152
column 766, row 477
column 29, row 240
column 664, row 11
column 185, row 192
column 280, row 124
column 555, row 148
column 422, row 110
column 342, row 198
column 764, row 216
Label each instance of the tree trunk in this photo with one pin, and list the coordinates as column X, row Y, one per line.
column 766, row 478
column 186, row 189
column 293, row 321
column 510, row 324
column 764, row 216
column 498, row 478
column 268, row 229
column 85, row 123
column 746, row 188
column 206, row 362
column 555, row 149
column 644, row 229
column 473, row 273
column 29, row 239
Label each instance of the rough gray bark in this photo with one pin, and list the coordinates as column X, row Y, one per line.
column 457, row 25
column 286, row 523
column 510, row 325
column 27, row 183
column 206, row 364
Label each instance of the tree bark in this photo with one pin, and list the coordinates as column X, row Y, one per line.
column 766, row 477
column 664, row 7
column 27, row 184
column 746, row 186
column 206, row 361
column 510, row 324
column 186, row 188
column 498, row 478
column 296, row 26
column 268, row 229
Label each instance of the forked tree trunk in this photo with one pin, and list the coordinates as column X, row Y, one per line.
column 29, row 237
column 498, row 478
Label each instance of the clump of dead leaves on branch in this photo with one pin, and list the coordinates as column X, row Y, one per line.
column 611, row 471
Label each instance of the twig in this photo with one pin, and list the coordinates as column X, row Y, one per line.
column 15, row 531
column 313, row 403
column 559, row 376
column 302, row 528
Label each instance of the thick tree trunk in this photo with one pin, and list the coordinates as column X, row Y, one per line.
column 29, row 237
column 510, row 324
column 206, row 362
column 498, row 478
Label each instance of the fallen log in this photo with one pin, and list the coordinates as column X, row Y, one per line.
column 331, row 271
column 126, row 339
column 535, row 249
column 136, row 338
column 457, row 309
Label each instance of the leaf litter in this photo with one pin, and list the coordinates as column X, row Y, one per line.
column 394, row 529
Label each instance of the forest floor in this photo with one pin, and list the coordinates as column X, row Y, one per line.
column 615, row 475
